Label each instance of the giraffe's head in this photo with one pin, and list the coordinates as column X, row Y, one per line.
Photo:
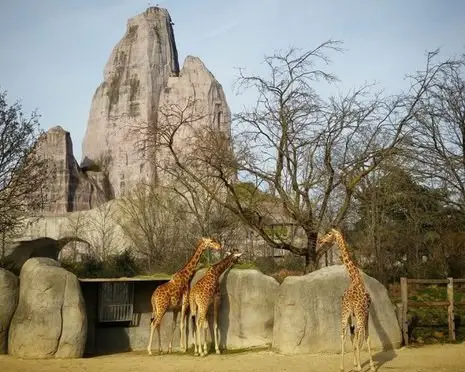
column 329, row 237
column 236, row 255
column 211, row 243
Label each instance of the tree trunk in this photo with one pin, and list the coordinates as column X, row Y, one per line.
column 311, row 262
column 310, row 265
column 3, row 246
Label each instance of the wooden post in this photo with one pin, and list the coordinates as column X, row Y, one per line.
column 450, row 309
column 404, row 297
column 399, row 314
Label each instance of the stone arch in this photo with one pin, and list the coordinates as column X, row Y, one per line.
column 20, row 251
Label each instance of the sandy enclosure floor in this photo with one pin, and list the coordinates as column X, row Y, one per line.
column 438, row 358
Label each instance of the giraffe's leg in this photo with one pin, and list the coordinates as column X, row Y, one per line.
column 205, row 335
column 199, row 327
column 359, row 335
column 173, row 330
column 367, row 338
column 193, row 317
column 216, row 309
column 185, row 305
column 352, row 338
column 344, row 321
column 195, row 333
column 152, row 328
column 155, row 324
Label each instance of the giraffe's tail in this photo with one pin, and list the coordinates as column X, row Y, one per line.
column 152, row 319
column 351, row 326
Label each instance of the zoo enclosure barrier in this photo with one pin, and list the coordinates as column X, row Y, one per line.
column 402, row 308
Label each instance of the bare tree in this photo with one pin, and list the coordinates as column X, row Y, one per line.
column 151, row 220
column 23, row 172
column 306, row 155
column 100, row 231
column 76, row 226
column 437, row 145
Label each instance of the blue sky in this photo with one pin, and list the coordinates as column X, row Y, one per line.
column 52, row 52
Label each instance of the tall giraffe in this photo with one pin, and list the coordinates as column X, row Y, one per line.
column 355, row 302
column 174, row 295
column 202, row 294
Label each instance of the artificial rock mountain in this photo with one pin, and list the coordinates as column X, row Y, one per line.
column 141, row 76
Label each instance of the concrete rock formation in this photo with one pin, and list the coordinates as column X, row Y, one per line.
column 9, row 292
column 308, row 312
column 141, row 75
column 198, row 92
column 17, row 253
column 70, row 189
column 50, row 319
column 247, row 308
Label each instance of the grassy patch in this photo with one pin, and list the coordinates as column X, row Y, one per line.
column 430, row 324
column 161, row 276
column 245, row 265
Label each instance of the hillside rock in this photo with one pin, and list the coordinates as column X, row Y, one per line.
column 307, row 313
column 9, row 292
column 197, row 85
column 69, row 188
column 141, row 76
column 50, row 319
column 17, row 253
column 246, row 310
column 134, row 76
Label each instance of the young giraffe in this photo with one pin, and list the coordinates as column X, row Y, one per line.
column 355, row 302
column 202, row 294
column 173, row 295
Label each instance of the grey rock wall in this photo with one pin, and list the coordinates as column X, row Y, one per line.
column 69, row 188
column 308, row 314
column 9, row 292
column 127, row 100
column 50, row 320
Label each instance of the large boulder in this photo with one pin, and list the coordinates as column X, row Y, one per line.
column 308, row 314
column 50, row 320
column 9, row 291
column 246, row 310
column 69, row 188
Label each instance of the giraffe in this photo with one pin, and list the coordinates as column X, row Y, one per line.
column 173, row 295
column 202, row 294
column 355, row 303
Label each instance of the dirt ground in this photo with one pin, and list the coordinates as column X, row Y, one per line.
column 437, row 358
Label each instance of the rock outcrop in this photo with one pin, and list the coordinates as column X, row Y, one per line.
column 69, row 189
column 307, row 313
column 127, row 100
column 50, row 319
column 17, row 253
column 9, row 292
column 246, row 310
column 201, row 96
column 142, row 75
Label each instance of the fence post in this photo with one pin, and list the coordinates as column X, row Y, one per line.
column 404, row 298
column 450, row 309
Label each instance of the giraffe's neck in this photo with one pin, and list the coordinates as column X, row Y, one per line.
column 223, row 265
column 352, row 269
column 188, row 270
